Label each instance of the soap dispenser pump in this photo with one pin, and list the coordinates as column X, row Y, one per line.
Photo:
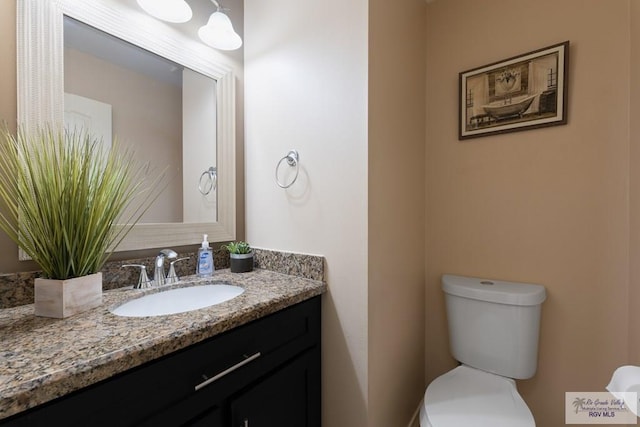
column 205, row 265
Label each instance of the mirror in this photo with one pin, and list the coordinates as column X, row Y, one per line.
column 166, row 110
column 41, row 99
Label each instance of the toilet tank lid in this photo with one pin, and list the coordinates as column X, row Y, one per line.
column 497, row 291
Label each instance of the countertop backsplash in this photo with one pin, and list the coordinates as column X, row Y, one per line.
column 17, row 288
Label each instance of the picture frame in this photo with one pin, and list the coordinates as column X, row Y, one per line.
column 524, row 92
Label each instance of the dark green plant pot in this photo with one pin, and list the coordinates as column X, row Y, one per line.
column 241, row 263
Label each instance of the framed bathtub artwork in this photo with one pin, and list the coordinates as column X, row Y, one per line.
column 524, row 92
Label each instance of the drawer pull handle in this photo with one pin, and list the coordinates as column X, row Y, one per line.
column 216, row 377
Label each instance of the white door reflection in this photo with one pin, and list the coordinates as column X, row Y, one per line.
column 86, row 113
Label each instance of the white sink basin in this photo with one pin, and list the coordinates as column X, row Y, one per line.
column 178, row 300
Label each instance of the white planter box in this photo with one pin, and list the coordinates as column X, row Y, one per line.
column 64, row 298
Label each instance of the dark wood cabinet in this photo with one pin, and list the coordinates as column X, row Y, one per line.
column 284, row 398
column 265, row 373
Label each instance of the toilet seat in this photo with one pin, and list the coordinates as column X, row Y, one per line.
column 466, row 396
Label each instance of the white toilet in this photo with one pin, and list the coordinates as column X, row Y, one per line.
column 493, row 331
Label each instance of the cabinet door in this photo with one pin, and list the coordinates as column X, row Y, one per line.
column 287, row 397
column 212, row 418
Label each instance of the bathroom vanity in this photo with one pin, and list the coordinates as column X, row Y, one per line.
column 254, row 360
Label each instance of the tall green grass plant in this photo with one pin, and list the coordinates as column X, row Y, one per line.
column 64, row 196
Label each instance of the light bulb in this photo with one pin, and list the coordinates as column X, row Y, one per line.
column 175, row 11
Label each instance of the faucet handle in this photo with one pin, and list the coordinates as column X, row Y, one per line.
column 172, row 277
column 169, row 253
column 143, row 279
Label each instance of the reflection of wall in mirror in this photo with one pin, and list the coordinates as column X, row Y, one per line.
column 146, row 112
column 198, row 146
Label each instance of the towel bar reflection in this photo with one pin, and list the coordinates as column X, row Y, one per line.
column 210, row 183
column 293, row 160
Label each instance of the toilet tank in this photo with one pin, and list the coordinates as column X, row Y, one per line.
column 494, row 325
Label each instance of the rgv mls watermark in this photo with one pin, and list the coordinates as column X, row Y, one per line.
column 601, row 408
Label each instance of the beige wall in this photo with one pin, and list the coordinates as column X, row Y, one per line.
column 396, row 273
column 548, row 206
column 8, row 63
column 634, row 188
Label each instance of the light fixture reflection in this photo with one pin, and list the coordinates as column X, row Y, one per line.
column 176, row 11
column 219, row 32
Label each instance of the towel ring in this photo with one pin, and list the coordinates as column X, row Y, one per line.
column 293, row 160
column 211, row 183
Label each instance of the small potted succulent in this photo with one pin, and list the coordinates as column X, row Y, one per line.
column 241, row 257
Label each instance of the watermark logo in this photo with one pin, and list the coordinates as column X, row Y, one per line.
column 600, row 408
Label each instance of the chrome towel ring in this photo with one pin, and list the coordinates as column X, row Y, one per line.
column 210, row 183
column 293, row 160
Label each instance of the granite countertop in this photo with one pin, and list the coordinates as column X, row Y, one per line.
column 43, row 358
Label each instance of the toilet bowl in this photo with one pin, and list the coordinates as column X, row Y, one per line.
column 466, row 396
column 493, row 332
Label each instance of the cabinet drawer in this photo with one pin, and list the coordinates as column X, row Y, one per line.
column 289, row 331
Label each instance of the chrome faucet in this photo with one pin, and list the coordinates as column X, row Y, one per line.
column 159, row 278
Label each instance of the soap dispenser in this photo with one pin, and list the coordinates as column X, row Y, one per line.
column 205, row 266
